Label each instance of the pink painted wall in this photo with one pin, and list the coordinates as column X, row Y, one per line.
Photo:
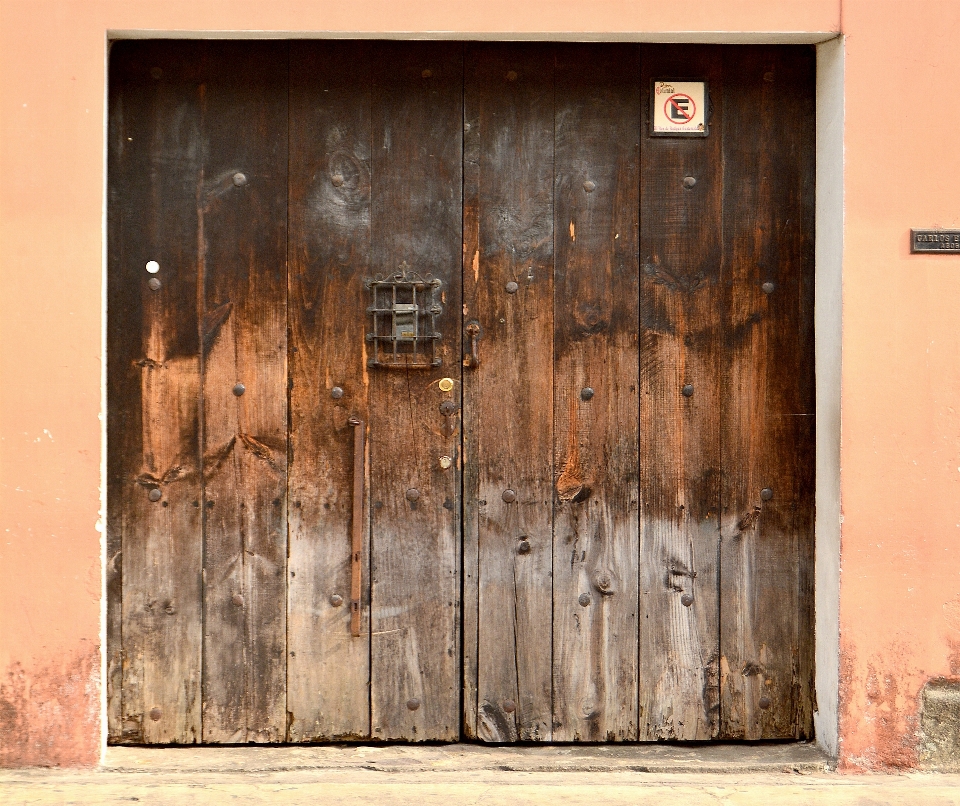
column 900, row 592
column 900, row 461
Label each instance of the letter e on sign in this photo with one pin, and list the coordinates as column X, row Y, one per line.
column 679, row 108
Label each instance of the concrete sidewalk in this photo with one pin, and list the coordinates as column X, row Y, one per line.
column 461, row 774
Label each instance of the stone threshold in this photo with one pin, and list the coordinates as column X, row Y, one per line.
column 732, row 758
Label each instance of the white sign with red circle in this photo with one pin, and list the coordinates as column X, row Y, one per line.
column 680, row 107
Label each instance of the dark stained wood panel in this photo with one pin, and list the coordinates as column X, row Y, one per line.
column 768, row 391
column 242, row 248
column 328, row 694
column 154, row 372
column 681, row 249
column 596, row 326
column 416, row 218
column 508, row 398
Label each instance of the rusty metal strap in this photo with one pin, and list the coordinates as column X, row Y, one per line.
column 356, row 547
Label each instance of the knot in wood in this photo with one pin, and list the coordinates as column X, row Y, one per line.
column 604, row 582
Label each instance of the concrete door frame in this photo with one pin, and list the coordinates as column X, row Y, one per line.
column 827, row 306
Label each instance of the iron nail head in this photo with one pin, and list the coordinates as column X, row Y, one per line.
column 237, row 599
column 509, row 496
column 239, row 389
column 686, row 600
column 689, row 182
column 523, row 547
column 766, row 494
column 156, row 713
column 767, row 288
column 336, row 600
column 155, row 494
column 509, row 706
column 413, row 703
column 584, row 599
column 239, row 179
column 512, row 287
column 764, row 702
column 586, row 393
column 687, row 390
column 412, row 494
column 154, row 284
column 589, row 186
column 336, row 393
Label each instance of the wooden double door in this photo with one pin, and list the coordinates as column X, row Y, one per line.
column 445, row 401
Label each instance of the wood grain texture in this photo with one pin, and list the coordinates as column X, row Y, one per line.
column 768, row 390
column 242, row 246
column 681, row 251
column 596, row 325
column 328, row 677
column 416, row 217
column 155, row 152
column 508, row 399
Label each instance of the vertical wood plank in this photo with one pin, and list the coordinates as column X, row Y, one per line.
column 241, row 207
column 508, row 401
column 416, row 217
column 124, row 313
column 596, row 325
column 328, row 694
column 154, row 448
column 681, row 250
column 768, row 393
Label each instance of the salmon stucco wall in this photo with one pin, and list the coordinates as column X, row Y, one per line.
column 900, row 582
column 900, row 459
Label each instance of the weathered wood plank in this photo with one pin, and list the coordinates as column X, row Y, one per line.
column 768, row 382
column 681, row 250
column 416, row 217
column 328, row 695
column 242, row 241
column 155, row 152
column 596, row 325
column 508, row 399
column 124, row 314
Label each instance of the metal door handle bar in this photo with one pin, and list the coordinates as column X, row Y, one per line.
column 356, row 547
column 473, row 356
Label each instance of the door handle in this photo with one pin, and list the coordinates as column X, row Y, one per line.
column 472, row 359
column 356, row 542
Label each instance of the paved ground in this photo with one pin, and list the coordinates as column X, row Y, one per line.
column 465, row 775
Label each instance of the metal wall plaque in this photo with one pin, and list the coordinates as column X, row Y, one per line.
column 941, row 241
column 679, row 108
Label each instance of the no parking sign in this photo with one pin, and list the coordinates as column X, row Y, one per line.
column 679, row 108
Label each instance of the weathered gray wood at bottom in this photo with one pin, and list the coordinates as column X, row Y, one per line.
column 595, row 437
column 242, row 244
column 416, row 218
column 153, row 217
column 681, row 250
column 328, row 672
column 508, row 398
